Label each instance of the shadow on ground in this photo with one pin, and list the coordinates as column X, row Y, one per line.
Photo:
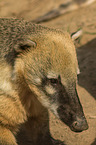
column 94, row 143
column 87, row 63
column 36, row 131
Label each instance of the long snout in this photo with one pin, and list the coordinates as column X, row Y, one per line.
column 80, row 124
column 77, row 123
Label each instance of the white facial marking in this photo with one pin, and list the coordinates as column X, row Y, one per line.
column 50, row 90
column 38, row 81
column 54, row 109
column 52, row 75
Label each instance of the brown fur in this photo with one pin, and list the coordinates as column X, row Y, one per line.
column 24, row 61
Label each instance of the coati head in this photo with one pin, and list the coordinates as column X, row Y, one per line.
column 50, row 70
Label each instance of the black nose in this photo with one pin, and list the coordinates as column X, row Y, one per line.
column 79, row 125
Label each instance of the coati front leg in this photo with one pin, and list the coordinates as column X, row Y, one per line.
column 12, row 115
column 6, row 137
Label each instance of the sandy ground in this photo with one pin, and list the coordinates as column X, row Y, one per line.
column 84, row 18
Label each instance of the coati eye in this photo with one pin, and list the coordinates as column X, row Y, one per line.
column 53, row 81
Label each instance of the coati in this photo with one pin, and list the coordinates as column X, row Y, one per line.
column 38, row 72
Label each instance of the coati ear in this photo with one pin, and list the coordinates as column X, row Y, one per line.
column 78, row 71
column 25, row 45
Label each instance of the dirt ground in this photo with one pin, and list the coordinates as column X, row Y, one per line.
column 84, row 18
